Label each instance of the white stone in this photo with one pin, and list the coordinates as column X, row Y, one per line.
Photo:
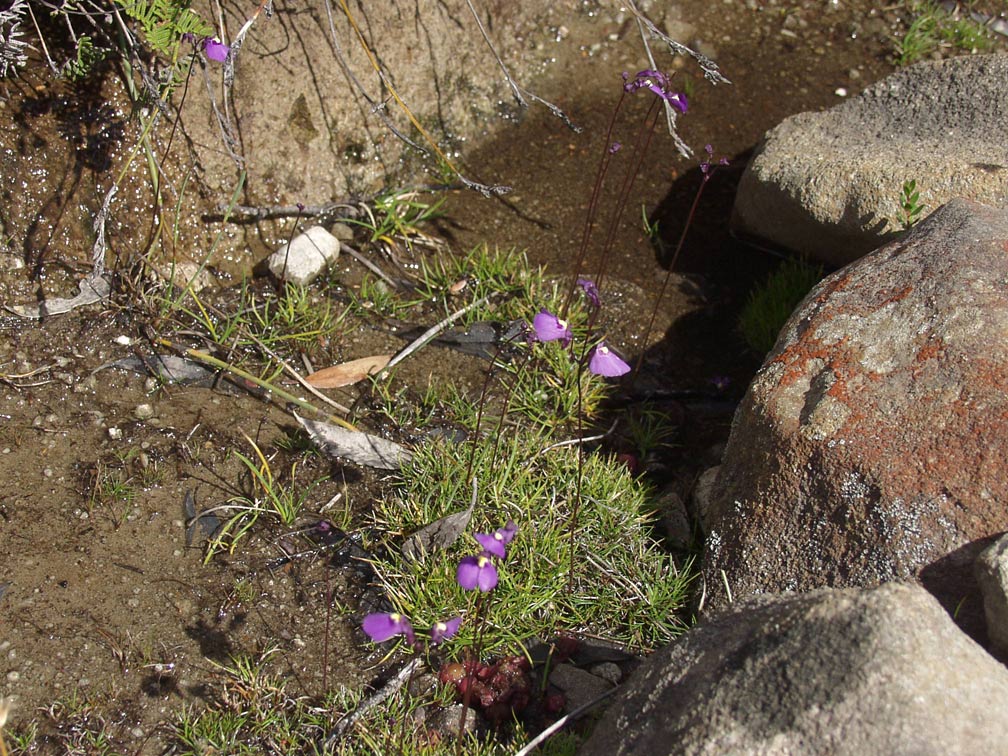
column 305, row 257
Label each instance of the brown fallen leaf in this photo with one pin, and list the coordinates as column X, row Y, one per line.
column 347, row 373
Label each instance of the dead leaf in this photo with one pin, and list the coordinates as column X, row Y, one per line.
column 347, row 373
column 437, row 536
column 356, row 446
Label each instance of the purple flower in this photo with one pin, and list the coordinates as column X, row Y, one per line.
column 381, row 627
column 442, row 631
column 494, row 544
column 606, row 363
column 658, row 83
column 215, row 49
column 477, row 572
column 548, row 327
column 615, row 147
column 590, row 290
column 706, row 167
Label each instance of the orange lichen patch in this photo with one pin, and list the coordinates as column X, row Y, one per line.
column 898, row 295
column 796, row 357
column 933, row 349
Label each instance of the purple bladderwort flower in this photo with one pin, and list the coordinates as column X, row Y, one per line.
column 380, row 627
column 442, row 631
column 720, row 383
column 476, row 572
column 495, row 544
column 591, row 291
column 607, row 363
column 215, row 49
column 707, row 168
column 658, row 83
column 211, row 46
column 548, row 327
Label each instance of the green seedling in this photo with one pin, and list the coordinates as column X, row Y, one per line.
column 396, row 217
column 267, row 496
column 910, row 204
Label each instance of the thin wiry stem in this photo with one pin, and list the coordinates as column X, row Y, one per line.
column 519, row 92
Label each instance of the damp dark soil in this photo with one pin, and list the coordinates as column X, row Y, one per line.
column 102, row 592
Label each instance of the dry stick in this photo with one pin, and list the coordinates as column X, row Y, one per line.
column 207, row 359
column 484, row 189
column 297, row 377
column 545, row 734
column 516, row 90
column 670, row 114
column 384, row 692
column 344, row 247
column 430, row 333
column 711, row 71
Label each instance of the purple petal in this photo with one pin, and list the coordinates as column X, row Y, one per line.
column 467, row 574
column 615, row 147
column 491, row 544
column 590, row 290
column 607, row 363
column 442, row 631
column 487, row 576
column 548, row 327
column 216, row 50
column 507, row 533
column 380, row 627
column 476, row 572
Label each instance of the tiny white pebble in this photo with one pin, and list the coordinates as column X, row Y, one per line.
column 840, row 91
column 123, row 340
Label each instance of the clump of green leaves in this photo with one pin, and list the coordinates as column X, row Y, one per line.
column 770, row 305
column 933, row 28
column 622, row 586
column 265, row 495
column 910, row 205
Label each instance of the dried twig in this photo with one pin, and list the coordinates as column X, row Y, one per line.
column 545, row 734
column 369, row 703
column 520, row 93
column 430, row 334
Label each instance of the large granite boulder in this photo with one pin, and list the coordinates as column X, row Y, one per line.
column 828, row 672
column 871, row 445
column 828, row 185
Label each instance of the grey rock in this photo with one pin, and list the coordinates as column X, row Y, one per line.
column 991, row 570
column 703, row 494
column 675, row 518
column 828, row 185
column 578, row 686
column 870, row 446
column 880, row 671
column 305, row 257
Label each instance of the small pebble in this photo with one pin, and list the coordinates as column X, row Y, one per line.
column 115, row 433
column 144, row 412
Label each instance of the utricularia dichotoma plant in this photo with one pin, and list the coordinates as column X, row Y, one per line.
column 476, row 572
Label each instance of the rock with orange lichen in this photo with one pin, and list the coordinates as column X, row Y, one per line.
column 872, row 444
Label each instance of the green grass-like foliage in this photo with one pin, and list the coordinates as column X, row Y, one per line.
column 934, row 27
column 770, row 305
column 624, row 587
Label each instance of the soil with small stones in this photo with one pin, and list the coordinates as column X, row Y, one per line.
column 108, row 595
